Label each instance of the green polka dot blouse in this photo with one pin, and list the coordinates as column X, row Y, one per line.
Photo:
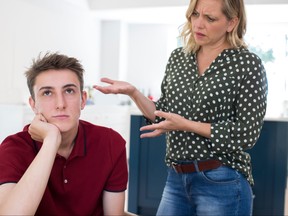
column 231, row 95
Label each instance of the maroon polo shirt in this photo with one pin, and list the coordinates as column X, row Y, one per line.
column 75, row 187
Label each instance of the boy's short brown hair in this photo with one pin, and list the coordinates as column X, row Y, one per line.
column 54, row 61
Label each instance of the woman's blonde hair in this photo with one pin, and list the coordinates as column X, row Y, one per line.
column 231, row 9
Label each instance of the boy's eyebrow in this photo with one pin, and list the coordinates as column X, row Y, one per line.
column 50, row 87
column 45, row 88
column 70, row 85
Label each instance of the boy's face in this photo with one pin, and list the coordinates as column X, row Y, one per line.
column 58, row 98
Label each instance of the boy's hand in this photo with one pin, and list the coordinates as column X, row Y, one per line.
column 40, row 129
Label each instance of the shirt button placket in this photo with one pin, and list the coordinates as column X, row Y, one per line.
column 65, row 181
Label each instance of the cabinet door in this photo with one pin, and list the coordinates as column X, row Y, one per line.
column 147, row 170
column 269, row 168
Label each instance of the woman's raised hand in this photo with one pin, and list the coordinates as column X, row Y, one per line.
column 115, row 87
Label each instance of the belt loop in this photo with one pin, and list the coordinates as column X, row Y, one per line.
column 196, row 165
column 177, row 169
column 174, row 165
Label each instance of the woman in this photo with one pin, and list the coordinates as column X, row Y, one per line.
column 212, row 107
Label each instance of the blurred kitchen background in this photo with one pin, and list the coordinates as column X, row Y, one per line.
column 122, row 39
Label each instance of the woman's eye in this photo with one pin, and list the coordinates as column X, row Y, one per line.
column 194, row 13
column 210, row 19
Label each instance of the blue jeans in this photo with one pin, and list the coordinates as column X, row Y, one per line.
column 222, row 191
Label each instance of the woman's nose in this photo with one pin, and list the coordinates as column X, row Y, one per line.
column 198, row 22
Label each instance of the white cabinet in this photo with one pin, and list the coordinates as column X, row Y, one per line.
column 112, row 116
column 11, row 119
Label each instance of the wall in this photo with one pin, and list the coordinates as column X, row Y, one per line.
column 148, row 50
column 29, row 27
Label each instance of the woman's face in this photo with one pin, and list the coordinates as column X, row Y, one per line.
column 209, row 24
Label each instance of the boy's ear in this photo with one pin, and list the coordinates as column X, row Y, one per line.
column 84, row 99
column 32, row 104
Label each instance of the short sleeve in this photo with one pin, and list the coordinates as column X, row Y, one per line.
column 119, row 175
column 16, row 154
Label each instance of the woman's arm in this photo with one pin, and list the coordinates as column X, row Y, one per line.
column 146, row 106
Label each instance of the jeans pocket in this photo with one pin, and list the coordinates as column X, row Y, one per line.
column 222, row 174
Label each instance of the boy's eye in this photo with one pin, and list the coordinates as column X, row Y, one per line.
column 70, row 91
column 47, row 93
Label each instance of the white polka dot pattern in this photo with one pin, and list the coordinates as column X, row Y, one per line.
column 231, row 95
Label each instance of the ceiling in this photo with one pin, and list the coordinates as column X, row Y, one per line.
column 122, row 4
column 173, row 11
column 176, row 15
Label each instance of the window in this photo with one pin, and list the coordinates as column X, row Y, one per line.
column 267, row 36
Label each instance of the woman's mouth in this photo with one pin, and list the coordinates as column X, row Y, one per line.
column 199, row 35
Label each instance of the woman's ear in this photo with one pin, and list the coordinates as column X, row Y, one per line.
column 232, row 23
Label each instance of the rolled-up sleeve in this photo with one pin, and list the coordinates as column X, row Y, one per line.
column 244, row 129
